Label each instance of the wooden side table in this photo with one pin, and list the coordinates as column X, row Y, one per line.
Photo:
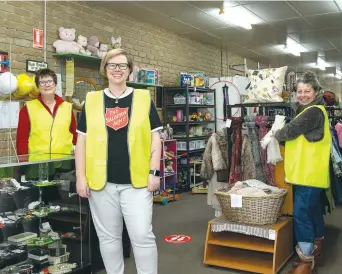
column 251, row 253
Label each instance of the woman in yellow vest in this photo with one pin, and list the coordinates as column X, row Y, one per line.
column 46, row 128
column 307, row 156
column 117, row 164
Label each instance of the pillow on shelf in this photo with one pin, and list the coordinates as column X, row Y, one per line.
column 265, row 85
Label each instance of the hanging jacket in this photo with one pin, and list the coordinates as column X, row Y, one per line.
column 215, row 158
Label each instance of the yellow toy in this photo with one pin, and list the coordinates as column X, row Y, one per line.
column 25, row 86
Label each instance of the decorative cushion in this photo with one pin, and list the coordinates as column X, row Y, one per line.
column 265, row 85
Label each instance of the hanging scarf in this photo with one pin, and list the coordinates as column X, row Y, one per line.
column 235, row 167
column 247, row 162
column 253, row 135
column 262, row 122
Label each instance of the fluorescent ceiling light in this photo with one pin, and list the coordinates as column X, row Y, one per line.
column 338, row 74
column 292, row 47
column 238, row 16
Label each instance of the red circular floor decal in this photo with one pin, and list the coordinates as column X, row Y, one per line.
column 177, row 239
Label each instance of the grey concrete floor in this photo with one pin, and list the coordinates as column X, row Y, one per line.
column 190, row 216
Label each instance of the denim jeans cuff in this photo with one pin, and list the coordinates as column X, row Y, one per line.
column 306, row 248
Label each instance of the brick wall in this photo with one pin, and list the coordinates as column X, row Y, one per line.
column 149, row 45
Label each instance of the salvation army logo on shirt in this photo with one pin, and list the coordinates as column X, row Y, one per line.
column 116, row 118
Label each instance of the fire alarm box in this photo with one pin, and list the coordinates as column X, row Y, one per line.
column 4, row 62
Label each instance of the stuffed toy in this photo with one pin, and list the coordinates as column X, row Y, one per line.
column 93, row 45
column 116, row 43
column 83, row 41
column 103, row 50
column 67, row 43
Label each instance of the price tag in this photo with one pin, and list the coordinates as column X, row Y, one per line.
column 235, row 200
column 228, row 123
column 271, row 234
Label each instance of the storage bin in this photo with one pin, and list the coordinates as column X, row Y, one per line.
column 179, row 99
column 192, row 145
column 181, row 146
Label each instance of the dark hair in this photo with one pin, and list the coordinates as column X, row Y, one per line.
column 308, row 77
column 43, row 73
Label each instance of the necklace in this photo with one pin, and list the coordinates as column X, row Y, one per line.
column 118, row 97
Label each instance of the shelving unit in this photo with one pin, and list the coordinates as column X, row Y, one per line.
column 264, row 108
column 168, row 173
column 191, row 126
column 251, row 253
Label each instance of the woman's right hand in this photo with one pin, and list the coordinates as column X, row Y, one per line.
column 82, row 187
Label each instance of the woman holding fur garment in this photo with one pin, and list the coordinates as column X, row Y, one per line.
column 307, row 155
column 117, row 164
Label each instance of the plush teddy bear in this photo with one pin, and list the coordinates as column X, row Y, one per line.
column 67, row 43
column 116, row 43
column 103, row 50
column 83, row 41
column 93, row 45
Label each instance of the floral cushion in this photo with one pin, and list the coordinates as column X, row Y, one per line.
column 265, row 85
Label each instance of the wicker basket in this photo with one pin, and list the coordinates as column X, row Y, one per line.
column 255, row 210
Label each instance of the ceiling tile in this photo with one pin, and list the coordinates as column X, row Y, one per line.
column 200, row 20
column 292, row 25
column 209, row 5
column 314, row 7
column 333, row 56
column 325, row 21
column 267, row 50
column 269, row 34
column 233, row 12
column 141, row 13
column 171, row 8
column 318, row 45
column 335, row 37
column 272, row 11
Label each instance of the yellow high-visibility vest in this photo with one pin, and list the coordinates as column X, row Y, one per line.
column 307, row 163
column 139, row 139
column 50, row 137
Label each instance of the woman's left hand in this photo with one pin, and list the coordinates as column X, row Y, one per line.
column 153, row 183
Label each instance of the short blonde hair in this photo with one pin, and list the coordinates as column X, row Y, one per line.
column 112, row 53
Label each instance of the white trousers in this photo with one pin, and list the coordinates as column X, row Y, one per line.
column 108, row 206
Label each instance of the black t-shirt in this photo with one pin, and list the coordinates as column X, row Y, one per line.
column 118, row 155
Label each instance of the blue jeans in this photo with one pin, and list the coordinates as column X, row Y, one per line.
column 308, row 217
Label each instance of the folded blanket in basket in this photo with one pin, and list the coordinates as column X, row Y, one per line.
column 253, row 188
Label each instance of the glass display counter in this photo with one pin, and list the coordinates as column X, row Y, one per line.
column 45, row 227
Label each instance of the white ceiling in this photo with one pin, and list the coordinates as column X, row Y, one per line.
column 317, row 25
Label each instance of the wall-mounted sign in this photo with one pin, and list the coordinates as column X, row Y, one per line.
column 38, row 38
column 33, row 66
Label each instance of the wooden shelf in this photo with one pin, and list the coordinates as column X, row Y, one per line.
column 240, row 259
column 139, row 85
column 241, row 241
column 77, row 56
column 250, row 253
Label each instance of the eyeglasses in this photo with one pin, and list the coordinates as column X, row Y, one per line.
column 46, row 83
column 112, row 66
